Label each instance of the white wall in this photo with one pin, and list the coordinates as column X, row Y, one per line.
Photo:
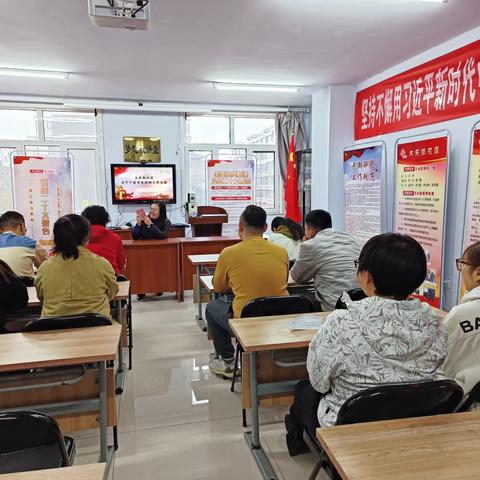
column 332, row 124
column 167, row 126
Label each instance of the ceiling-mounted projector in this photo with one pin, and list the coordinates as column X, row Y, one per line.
column 130, row 14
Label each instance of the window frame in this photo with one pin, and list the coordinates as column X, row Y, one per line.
column 63, row 145
column 249, row 147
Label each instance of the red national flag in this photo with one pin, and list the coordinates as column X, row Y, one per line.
column 291, row 185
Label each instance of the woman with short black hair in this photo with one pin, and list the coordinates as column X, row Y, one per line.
column 287, row 234
column 386, row 338
column 74, row 280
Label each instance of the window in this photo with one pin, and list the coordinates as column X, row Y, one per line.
column 50, row 132
column 18, row 124
column 69, row 126
column 233, row 137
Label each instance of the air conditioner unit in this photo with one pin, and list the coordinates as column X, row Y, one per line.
column 129, row 14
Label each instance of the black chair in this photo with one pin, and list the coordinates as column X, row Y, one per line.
column 28, row 281
column 123, row 278
column 389, row 402
column 266, row 307
column 356, row 295
column 472, row 398
column 30, row 440
column 83, row 320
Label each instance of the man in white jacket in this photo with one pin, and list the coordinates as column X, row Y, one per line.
column 385, row 338
column 463, row 325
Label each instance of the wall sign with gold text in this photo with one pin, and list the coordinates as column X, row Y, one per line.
column 141, row 149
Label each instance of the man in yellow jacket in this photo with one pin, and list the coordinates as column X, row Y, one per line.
column 250, row 269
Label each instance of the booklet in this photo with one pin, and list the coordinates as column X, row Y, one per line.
column 306, row 322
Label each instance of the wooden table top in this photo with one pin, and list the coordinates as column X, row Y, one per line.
column 94, row 471
column 123, row 289
column 441, row 447
column 150, row 243
column 187, row 240
column 208, row 259
column 20, row 351
column 271, row 333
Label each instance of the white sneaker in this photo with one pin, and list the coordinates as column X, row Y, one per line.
column 221, row 367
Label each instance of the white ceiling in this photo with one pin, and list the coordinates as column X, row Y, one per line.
column 310, row 43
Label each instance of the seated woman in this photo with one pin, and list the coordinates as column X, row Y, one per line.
column 103, row 241
column 287, row 234
column 385, row 338
column 463, row 325
column 74, row 280
column 13, row 293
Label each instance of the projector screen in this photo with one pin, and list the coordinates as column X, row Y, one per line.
column 143, row 183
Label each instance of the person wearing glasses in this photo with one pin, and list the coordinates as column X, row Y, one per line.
column 19, row 252
column 327, row 257
column 385, row 338
column 463, row 325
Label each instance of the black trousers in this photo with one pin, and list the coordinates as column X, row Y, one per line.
column 304, row 408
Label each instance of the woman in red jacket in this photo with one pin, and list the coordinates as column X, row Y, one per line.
column 104, row 242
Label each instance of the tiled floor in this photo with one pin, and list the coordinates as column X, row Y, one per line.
column 176, row 420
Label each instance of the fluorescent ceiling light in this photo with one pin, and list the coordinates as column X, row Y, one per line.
column 135, row 106
column 249, row 87
column 25, row 72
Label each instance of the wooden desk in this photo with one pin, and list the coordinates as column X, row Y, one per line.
column 126, row 233
column 199, row 246
column 123, row 289
column 79, row 346
column 442, row 447
column 153, row 266
column 93, row 471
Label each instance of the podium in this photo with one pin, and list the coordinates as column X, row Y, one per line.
column 208, row 222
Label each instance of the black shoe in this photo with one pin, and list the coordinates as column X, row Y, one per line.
column 295, row 443
column 159, row 294
column 140, row 296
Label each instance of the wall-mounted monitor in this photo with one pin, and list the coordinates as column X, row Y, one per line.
column 143, row 183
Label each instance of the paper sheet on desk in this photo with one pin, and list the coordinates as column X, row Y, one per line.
column 306, row 322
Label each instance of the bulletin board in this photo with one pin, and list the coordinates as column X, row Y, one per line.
column 421, row 178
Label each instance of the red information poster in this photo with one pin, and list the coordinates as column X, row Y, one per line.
column 362, row 173
column 472, row 223
column 421, row 180
column 43, row 192
column 231, row 186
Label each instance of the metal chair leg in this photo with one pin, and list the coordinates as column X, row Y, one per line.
column 235, row 368
column 115, row 437
column 244, row 418
column 130, row 331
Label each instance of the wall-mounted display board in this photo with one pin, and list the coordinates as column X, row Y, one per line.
column 421, row 175
column 363, row 168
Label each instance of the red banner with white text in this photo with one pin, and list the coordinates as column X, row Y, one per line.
column 420, row 194
column 445, row 88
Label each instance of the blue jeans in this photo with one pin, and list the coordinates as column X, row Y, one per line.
column 218, row 313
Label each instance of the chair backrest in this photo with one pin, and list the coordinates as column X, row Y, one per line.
column 27, row 281
column 68, row 321
column 355, row 294
column 25, row 430
column 121, row 278
column 268, row 306
column 472, row 397
column 407, row 400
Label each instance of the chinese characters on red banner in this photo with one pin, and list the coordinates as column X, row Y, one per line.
column 421, row 177
column 363, row 189
column 442, row 89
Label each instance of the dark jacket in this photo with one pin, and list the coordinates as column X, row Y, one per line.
column 157, row 231
column 13, row 292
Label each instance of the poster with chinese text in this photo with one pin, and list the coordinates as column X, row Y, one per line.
column 362, row 171
column 472, row 221
column 231, row 186
column 43, row 192
column 420, row 193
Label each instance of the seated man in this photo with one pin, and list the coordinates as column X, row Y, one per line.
column 250, row 269
column 384, row 338
column 154, row 226
column 17, row 250
column 463, row 325
column 327, row 256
